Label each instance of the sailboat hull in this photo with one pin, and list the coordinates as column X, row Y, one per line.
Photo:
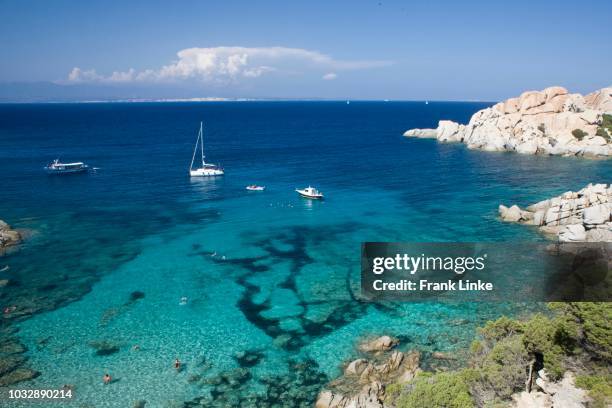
column 205, row 172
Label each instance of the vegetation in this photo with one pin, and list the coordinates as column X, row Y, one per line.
column 579, row 134
column 599, row 387
column 605, row 129
column 508, row 353
column 449, row 390
column 542, row 128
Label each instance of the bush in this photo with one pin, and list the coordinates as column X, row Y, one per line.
column 501, row 357
column 591, row 325
column 449, row 390
column 503, row 369
column 599, row 387
column 579, row 134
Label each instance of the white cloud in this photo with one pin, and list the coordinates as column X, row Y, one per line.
column 330, row 76
column 230, row 64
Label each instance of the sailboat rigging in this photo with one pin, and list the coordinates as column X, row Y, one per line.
column 206, row 169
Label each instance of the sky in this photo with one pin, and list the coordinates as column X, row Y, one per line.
column 412, row 50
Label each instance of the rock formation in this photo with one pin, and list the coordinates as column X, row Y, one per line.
column 8, row 236
column 363, row 382
column 582, row 216
column 551, row 121
column 550, row 394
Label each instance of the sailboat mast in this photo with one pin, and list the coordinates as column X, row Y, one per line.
column 202, row 141
column 195, row 149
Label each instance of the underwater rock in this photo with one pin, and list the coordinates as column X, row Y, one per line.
column 248, row 358
column 441, row 356
column 11, row 346
column 8, row 236
column 136, row 295
column 382, row 343
column 18, row 375
column 104, row 347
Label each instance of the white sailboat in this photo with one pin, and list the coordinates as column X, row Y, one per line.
column 207, row 169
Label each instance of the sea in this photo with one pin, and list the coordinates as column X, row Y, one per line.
column 134, row 264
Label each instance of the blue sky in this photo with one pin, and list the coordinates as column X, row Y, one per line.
column 485, row 50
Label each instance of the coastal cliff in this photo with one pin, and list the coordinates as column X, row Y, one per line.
column 581, row 216
column 551, row 121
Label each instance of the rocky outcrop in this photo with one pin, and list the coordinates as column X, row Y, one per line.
column 382, row 343
column 422, row 133
column 8, row 236
column 551, row 121
column 364, row 379
column 552, row 394
column 582, row 216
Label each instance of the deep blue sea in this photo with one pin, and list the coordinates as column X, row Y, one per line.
column 272, row 280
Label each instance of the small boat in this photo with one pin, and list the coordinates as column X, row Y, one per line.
column 207, row 169
column 310, row 192
column 56, row 167
column 254, row 187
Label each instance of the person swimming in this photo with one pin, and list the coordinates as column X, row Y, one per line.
column 107, row 379
column 177, row 364
column 183, row 301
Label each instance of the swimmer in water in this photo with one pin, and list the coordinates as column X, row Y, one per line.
column 183, row 301
column 177, row 365
column 107, row 379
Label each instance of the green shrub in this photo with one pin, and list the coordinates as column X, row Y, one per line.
column 449, row 390
column 503, row 369
column 599, row 387
column 500, row 328
column 603, row 133
column 579, row 134
column 591, row 322
column 500, row 359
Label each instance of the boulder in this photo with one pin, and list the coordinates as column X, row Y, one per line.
column 597, row 214
column 572, row 233
column 356, row 367
column 573, row 216
column 422, row 133
column 512, row 214
column 382, row 343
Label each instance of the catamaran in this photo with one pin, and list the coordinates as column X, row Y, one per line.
column 56, row 167
column 207, row 169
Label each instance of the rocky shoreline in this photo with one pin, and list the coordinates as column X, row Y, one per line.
column 581, row 216
column 364, row 380
column 551, row 122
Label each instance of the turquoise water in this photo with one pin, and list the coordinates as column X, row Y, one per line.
column 271, row 279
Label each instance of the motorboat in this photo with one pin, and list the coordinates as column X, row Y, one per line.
column 254, row 187
column 57, row 167
column 310, row 192
column 206, row 169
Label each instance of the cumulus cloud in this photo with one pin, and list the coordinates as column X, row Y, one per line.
column 230, row 64
column 330, row 76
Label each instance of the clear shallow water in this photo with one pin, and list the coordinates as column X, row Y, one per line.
column 286, row 289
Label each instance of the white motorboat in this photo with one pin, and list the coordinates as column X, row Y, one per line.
column 206, row 169
column 310, row 192
column 56, row 167
column 254, row 187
